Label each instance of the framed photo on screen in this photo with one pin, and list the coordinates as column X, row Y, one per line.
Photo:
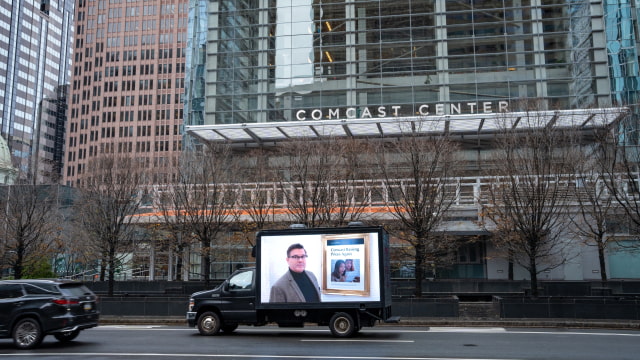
column 346, row 264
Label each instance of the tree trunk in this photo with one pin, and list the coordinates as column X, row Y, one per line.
column 533, row 273
column 103, row 269
column 510, row 269
column 601, row 257
column 419, row 269
column 206, row 263
column 18, row 265
column 112, row 271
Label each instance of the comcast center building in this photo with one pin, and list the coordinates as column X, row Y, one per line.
column 260, row 61
column 263, row 71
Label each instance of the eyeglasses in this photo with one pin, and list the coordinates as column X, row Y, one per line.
column 298, row 257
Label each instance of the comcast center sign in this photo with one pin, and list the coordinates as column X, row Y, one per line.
column 486, row 107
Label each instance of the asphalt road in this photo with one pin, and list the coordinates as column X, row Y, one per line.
column 378, row 343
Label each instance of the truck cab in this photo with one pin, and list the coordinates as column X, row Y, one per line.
column 234, row 301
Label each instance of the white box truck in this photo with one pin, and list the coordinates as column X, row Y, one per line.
column 328, row 276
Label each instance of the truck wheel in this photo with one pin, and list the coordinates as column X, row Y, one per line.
column 27, row 334
column 209, row 323
column 342, row 325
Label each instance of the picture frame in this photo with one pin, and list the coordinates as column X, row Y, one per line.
column 340, row 252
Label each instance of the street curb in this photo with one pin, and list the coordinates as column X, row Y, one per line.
column 429, row 322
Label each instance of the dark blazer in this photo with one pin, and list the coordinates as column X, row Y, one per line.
column 286, row 289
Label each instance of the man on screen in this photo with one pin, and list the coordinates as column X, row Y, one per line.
column 297, row 284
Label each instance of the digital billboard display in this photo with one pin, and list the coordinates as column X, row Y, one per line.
column 319, row 268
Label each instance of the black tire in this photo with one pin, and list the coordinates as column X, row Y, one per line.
column 66, row 336
column 209, row 323
column 229, row 328
column 342, row 325
column 27, row 334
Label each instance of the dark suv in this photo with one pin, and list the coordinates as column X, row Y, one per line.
column 31, row 309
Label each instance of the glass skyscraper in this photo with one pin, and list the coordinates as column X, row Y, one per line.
column 257, row 61
column 263, row 71
column 35, row 58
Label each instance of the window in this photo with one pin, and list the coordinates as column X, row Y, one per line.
column 41, row 289
column 10, row 291
column 241, row 280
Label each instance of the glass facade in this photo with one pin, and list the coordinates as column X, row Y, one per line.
column 35, row 58
column 291, row 60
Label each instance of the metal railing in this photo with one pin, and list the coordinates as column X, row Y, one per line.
column 466, row 192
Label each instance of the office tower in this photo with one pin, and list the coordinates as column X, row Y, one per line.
column 35, row 47
column 127, row 83
column 262, row 73
column 302, row 60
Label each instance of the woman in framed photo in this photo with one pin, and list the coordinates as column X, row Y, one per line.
column 338, row 274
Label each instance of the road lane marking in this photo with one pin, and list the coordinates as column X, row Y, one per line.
column 358, row 340
column 243, row 356
column 132, row 327
column 574, row 333
column 442, row 329
column 467, row 329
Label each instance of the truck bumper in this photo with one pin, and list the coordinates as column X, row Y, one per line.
column 191, row 318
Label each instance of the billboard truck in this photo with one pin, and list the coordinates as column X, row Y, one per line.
column 327, row 276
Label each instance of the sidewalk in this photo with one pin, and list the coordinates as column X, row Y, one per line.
column 414, row 321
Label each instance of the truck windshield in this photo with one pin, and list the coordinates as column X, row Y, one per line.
column 241, row 280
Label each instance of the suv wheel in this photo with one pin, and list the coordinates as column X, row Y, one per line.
column 66, row 336
column 27, row 334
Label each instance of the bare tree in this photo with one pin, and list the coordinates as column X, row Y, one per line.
column 201, row 202
column 258, row 188
column 305, row 180
column 417, row 171
column 596, row 206
column 527, row 198
column 620, row 159
column 109, row 197
column 29, row 223
column 350, row 185
column 326, row 182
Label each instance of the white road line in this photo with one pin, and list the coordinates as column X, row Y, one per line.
column 358, row 340
column 242, row 356
column 574, row 333
column 467, row 330
column 134, row 327
column 443, row 329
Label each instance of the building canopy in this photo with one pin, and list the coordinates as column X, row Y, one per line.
column 464, row 125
